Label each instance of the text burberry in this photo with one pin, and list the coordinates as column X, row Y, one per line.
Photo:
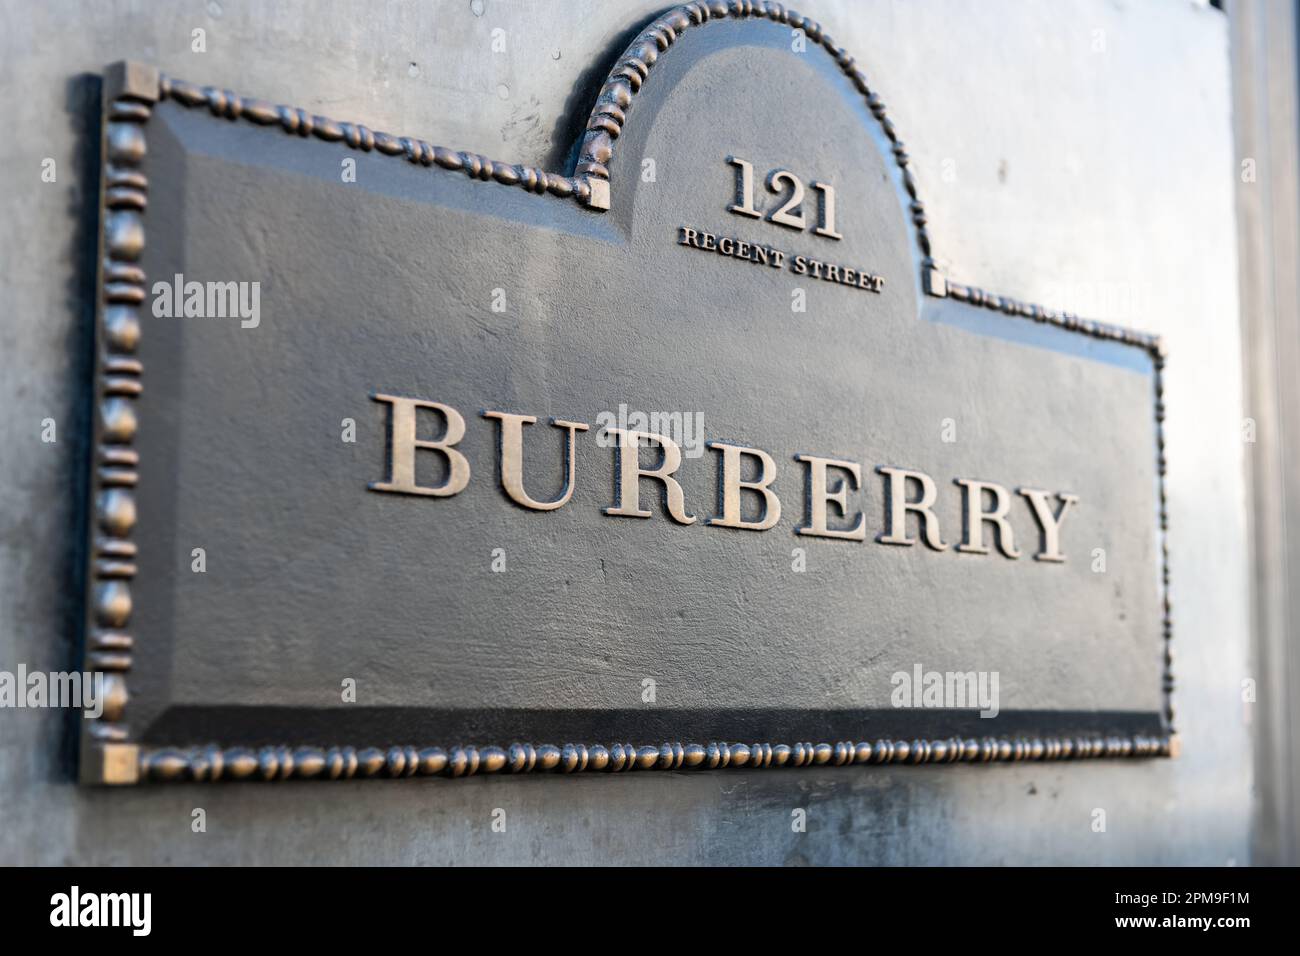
column 986, row 505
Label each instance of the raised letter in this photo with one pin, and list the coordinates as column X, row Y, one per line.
column 974, row 516
column 512, row 459
column 627, row 451
column 819, row 494
column 826, row 212
column 744, row 204
column 731, row 485
column 1051, row 526
column 897, row 506
column 403, row 444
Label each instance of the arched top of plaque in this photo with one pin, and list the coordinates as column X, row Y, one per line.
column 790, row 109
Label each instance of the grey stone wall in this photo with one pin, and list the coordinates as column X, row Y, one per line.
column 1077, row 154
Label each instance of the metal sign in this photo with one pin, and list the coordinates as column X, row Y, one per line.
column 413, row 462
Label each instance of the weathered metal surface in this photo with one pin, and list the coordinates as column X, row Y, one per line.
column 406, row 600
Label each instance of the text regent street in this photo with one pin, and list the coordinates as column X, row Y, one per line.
column 827, row 485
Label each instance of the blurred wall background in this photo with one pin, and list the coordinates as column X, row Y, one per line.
column 1267, row 125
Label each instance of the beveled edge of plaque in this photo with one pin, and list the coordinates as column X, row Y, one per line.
column 592, row 193
column 107, row 753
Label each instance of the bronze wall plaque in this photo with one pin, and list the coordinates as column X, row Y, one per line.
column 409, row 460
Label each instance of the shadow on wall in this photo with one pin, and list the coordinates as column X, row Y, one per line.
column 83, row 112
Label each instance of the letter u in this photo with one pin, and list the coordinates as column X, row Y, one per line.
column 512, row 459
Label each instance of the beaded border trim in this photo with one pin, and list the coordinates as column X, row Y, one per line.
column 346, row 763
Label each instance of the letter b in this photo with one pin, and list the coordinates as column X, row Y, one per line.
column 732, row 485
column 403, row 444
